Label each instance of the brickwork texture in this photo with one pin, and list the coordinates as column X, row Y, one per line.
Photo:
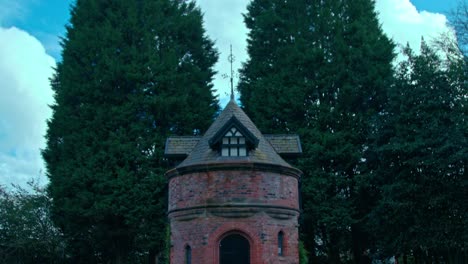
column 205, row 207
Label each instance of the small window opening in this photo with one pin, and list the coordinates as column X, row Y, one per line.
column 280, row 243
column 188, row 255
column 233, row 144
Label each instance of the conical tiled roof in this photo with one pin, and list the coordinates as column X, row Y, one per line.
column 203, row 154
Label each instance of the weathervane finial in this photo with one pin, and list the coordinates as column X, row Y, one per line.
column 231, row 59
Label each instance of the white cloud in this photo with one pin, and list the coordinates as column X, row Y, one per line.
column 25, row 69
column 402, row 22
column 224, row 23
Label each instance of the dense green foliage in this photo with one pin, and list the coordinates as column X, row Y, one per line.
column 422, row 161
column 385, row 150
column 303, row 254
column 27, row 234
column 321, row 69
column 128, row 79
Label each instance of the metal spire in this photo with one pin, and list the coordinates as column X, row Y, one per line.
column 231, row 59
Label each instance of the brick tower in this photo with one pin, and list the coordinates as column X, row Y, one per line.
column 233, row 199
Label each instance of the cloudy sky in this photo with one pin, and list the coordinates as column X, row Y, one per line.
column 29, row 48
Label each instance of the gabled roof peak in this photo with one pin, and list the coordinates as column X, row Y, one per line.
column 203, row 153
column 251, row 139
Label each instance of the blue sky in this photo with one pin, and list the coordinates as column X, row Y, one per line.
column 440, row 6
column 45, row 19
column 29, row 49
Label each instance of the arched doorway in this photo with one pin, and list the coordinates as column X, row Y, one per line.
column 234, row 249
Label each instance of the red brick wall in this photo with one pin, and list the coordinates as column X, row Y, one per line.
column 257, row 205
column 249, row 187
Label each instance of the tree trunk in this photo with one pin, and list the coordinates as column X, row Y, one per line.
column 445, row 258
column 357, row 244
column 152, row 259
column 428, row 257
column 437, row 256
column 118, row 259
column 334, row 251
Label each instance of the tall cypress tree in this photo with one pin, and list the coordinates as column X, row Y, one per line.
column 277, row 74
column 321, row 69
column 423, row 157
column 128, row 79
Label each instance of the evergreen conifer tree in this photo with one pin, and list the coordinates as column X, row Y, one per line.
column 423, row 157
column 133, row 72
column 321, row 69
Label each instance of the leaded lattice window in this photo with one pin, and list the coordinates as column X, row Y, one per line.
column 233, row 144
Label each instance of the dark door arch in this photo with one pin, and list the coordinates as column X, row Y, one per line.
column 234, row 249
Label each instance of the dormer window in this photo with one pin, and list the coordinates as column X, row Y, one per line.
column 233, row 144
column 233, row 139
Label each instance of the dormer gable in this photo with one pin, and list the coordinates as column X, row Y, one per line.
column 233, row 139
column 232, row 123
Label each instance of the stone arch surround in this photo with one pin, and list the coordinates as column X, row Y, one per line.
column 204, row 233
column 216, row 240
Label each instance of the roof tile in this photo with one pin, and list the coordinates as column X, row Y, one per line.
column 203, row 154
